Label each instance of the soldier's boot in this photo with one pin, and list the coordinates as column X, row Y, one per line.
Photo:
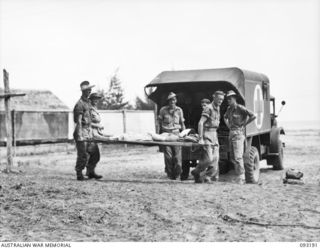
column 215, row 178
column 207, row 179
column 212, row 174
column 197, row 177
column 240, row 180
column 80, row 176
column 177, row 173
column 94, row 175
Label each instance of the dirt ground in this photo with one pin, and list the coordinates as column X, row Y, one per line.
column 135, row 202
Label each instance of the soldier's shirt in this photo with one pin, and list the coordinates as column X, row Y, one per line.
column 82, row 107
column 212, row 113
column 95, row 116
column 170, row 118
column 95, row 119
column 237, row 116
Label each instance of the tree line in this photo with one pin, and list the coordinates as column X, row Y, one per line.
column 114, row 99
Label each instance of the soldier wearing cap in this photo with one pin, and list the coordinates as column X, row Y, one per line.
column 171, row 121
column 97, row 127
column 208, row 167
column 236, row 118
column 95, row 116
column 88, row 154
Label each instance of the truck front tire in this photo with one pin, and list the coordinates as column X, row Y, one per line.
column 277, row 161
column 276, row 146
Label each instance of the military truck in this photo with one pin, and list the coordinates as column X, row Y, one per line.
column 253, row 90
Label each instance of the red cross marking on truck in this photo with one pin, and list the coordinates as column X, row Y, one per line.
column 258, row 106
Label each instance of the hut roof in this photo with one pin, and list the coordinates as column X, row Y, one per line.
column 34, row 100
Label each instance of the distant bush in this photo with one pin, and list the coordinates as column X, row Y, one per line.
column 113, row 99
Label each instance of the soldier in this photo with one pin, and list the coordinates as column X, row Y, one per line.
column 88, row 154
column 96, row 125
column 171, row 121
column 236, row 118
column 208, row 167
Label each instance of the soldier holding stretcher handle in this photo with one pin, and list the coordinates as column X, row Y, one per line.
column 208, row 167
column 171, row 120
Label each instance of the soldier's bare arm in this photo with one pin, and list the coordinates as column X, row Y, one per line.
column 226, row 122
column 225, row 118
column 183, row 127
column 203, row 119
column 250, row 119
column 79, row 128
column 97, row 125
column 251, row 116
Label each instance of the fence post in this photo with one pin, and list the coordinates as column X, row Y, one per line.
column 124, row 120
column 14, row 121
column 8, row 121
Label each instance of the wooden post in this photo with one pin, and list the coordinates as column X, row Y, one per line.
column 14, row 121
column 8, row 121
column 124, row 120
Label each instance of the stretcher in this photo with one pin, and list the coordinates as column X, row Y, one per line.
column 150, row 143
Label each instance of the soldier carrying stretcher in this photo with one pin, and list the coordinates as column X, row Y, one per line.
column 171, row 121
column 88, row 154
column 208, row 167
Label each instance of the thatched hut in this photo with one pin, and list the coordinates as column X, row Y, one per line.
column 37, row 115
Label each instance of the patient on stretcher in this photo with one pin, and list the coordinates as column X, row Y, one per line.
column 164, row 137
column 186, row 135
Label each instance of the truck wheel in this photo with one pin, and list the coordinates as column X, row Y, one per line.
column 252, row 165
column 276, row 146
column 277, row 161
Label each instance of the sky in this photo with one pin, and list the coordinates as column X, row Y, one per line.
column 56, row 44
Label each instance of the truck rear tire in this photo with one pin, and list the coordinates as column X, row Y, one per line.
column 252, row 165
column 277, row 161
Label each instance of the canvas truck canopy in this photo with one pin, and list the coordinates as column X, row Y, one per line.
column 234, row 77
